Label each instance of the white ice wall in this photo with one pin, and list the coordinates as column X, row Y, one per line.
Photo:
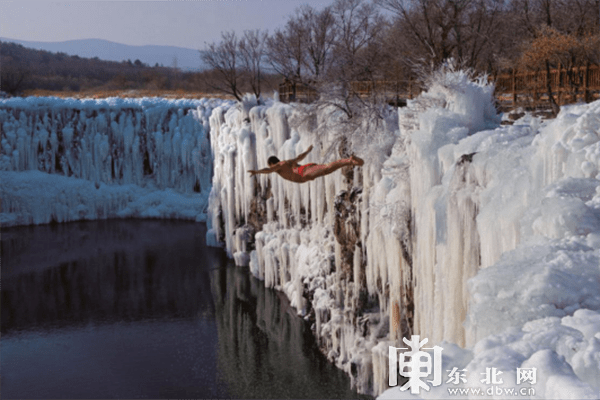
column 295, row 250
column 455, row 195
column 151, row 146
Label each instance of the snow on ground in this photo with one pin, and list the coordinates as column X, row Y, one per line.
column 67, row 159
column 35, row 197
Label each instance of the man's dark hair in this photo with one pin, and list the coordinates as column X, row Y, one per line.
column 272, row 160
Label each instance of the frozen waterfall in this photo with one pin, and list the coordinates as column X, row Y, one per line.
column 458, row 235
column 67, row 159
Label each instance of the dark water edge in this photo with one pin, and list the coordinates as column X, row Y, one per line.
column 143, row 309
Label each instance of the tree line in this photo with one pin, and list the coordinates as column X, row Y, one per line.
column 327, row 49
column 396, row 40
column 24, row 70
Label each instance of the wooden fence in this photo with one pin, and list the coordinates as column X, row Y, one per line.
column 529, row 88
column 515, row 89
column 392, row 91
column 301, row 93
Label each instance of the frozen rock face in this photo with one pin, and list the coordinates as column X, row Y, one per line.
column 344, row 247
column 455, row 229
column 304, row 239
column 346, row 229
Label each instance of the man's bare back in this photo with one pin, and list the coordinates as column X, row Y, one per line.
column 292, row 171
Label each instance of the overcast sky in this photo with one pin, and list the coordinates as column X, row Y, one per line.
column 175, row 23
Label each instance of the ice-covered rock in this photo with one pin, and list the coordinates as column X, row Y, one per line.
column 467, row 232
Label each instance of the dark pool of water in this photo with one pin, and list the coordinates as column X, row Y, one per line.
column 143, row 309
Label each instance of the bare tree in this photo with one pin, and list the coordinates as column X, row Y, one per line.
column 302, row 52
column 252, row 49
column 320, row 30
column 286, row 51
column 478, row 33
column 360, row 27
column 223, row 58
column 358, row 52
column 466, row 30
column 597, row 13
column 427, row 24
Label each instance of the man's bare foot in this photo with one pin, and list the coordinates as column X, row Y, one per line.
column 356, row 160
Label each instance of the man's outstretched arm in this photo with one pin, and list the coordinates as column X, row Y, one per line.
column 301, row 156
column 260, row 171
column 267, row 170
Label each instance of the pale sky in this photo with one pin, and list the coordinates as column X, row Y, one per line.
column 183, row 23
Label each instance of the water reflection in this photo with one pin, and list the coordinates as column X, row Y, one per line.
column 105, row 271
column 143, row 309
column 265, row 350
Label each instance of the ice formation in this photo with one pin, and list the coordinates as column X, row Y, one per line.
column 482, row 237
column 67, row 159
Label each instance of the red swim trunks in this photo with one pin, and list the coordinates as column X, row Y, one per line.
column 300, row 169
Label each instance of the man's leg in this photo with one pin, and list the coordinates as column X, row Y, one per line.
column 315, row 171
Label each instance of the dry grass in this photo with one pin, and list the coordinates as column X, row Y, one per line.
column 130, row 93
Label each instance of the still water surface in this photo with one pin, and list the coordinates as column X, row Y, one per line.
column 143, row 309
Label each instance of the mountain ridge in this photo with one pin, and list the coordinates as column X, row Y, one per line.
column 168, row 56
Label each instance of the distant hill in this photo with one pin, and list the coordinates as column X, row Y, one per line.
column 25, row 69
column 187, row 59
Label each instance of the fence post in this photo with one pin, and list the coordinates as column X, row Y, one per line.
column 534, row 85
column 513, row 84
column 561, row 82
column 586, row 82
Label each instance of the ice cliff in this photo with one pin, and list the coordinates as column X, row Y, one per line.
column 479, row 236
column 67, row 159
